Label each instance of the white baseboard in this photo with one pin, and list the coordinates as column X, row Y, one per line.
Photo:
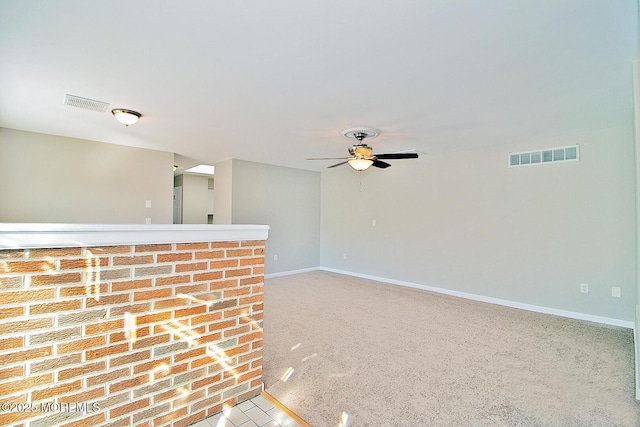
column 491, row 300
column 288, row 273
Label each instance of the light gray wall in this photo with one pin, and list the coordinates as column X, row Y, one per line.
column 195, row 199
column 48, row 178
column 286, row 199
column 464, row 221
column 222, row 192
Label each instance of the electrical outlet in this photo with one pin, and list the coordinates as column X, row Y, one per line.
column 344, row 255
column 147, row 220
column 584, row 288
column 373, row 222
column 616, row 291
column 275, row 257
column 147, row 203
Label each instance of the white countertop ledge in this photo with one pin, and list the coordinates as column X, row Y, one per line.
column 37, row 235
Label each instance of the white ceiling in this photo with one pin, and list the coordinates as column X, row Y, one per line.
column 277, row 81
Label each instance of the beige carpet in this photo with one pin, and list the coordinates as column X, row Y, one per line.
column 375, row 354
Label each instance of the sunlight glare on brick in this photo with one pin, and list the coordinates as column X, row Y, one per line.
column 183, row 393
column 287, row 374
column 130, row 329
column 4, row 267
column 92, row 275
column 182, row 331
column 162, row 369
column 219, row 355
column 48, row 265
column 194, row 300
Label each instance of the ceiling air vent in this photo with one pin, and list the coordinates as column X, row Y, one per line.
column 570, row 153
column 87, row 104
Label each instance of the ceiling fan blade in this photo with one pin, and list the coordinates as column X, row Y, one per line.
column 379, row 164
column 337, row 164
column 326, row 158
column 397, row 156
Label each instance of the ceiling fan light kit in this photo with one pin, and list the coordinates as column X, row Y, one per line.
column 362, row 156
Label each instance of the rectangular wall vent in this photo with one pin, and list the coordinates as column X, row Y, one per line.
column 569, row 153
column 87, row 104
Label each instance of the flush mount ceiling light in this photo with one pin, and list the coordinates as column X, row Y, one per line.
column 126, row 117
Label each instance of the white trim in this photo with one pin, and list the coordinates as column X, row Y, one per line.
column 29, row 236
column 290, row 272
column 491, row 300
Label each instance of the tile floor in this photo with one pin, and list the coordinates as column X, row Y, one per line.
column 256, row 412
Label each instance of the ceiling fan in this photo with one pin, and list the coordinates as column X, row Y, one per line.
column 362, row 156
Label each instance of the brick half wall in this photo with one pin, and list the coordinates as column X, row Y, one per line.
column 136, row 335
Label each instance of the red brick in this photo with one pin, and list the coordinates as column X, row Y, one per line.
column 165, row 247
column 225, row 245
column 25, row 325
column 108, row 300
column 103, row 378
column 55, row 279
column 153, row 318
column 133, row 260
column 172, row 280
column 192, row 289
column 13, row 253
column 170, row 303
column 258, row 251
column 191, row 311
column 9, row 343
column 173, row 257
column 223, row 284
column 251, row 299
column 231, row 253
column 76, row 371
column 29, row 266
column 209, row 254
column 210, row 275
column 105, row 326
column 54, row 253
column 54, row 307
column 167, row 418
column 129, row 407
column 24, row 296
column 237, row 272
column 259, row 271
column 252, row 261
column 99, row 250
column 88, row 420
column 205, row 318
column 24, row 384
column 11, row 373
column 153, row 294
column 194, row 266
column 151, row 365
column 56, row 390
column 128, row 383
column 253, row 243
column 9, row 312
column 224, row 263
column 251, row 280
column 250, row 337
column 129, row 358
column 131, row 285
column 107, row 351
column 191, row 246
column 228, row 293
column 81, row 344
column 236, row 331
column 152, row 340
